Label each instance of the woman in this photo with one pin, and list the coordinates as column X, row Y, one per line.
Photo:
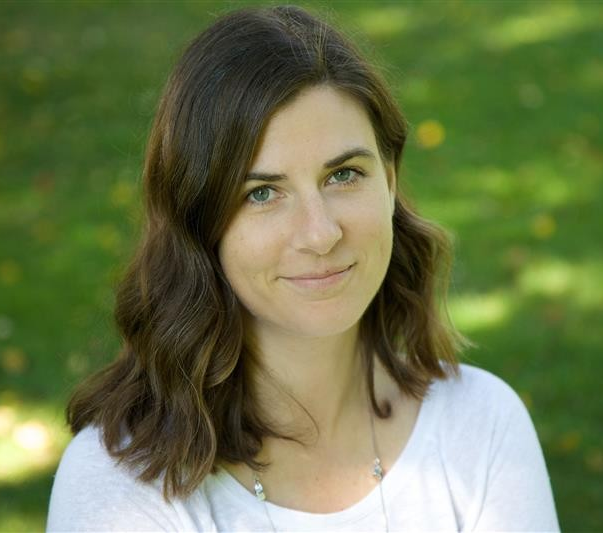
column 285, row 365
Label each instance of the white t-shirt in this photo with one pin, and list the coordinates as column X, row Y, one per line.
column 473, row 462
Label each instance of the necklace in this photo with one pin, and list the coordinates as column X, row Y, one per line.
column 377, row 473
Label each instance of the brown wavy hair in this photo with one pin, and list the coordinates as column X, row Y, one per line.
column 179, row 397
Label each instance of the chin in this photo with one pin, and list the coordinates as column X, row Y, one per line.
column 317, row 325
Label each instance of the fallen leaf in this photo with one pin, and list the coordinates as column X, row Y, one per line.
column 554, row 313
column 14, row 360
column 122, row 193
column 430, row 134
column 109, row 237
column 594, row 461
column 44, row 231
column 10, row 272
column 44, row 182
column 543, row 226
column 16, row 40
column 569, row 442
column 516, row 257
column 33, row 79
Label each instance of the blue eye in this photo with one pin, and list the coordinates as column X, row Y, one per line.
column 342, row 175
column 260, row 195
column 346, row 176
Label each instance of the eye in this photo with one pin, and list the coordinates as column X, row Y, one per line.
column 345, row 176
column 260, row 195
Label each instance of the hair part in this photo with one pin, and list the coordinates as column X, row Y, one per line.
column 180, row 395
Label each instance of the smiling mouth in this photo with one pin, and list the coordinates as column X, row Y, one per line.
column 323, row 275
column 322, row 280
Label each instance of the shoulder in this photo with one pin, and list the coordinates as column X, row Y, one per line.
column 87, row 461
column 475, row 392
column 480, row 424
column 486, row 444
column 92, row 491
column 86, row 452
column 473, row 412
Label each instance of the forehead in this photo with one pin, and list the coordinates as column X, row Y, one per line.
column 319, row 123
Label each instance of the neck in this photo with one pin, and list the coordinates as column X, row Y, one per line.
column 321, row 377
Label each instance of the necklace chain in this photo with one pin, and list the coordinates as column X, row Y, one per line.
column 378, row 470
column 377, row 473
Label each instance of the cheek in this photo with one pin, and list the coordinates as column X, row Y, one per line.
column 372, row 224
column 247, row 251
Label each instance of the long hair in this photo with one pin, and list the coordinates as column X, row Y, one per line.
column 179, row 397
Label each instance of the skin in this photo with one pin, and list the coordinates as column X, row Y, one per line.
column 310, row 223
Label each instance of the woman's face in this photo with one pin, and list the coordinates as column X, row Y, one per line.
column 312, row 240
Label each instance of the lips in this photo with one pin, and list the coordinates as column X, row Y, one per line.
column 323, row 282
column 320, row 275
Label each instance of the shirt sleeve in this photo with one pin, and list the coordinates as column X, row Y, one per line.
column 92, row 492
column 518, row 495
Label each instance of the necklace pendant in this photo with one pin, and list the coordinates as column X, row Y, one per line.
column 378, row 469
column 258, row 489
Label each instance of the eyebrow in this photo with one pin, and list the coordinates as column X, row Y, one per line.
column 331, row 163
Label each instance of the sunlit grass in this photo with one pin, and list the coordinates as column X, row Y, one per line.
column 578, row 283
column 385, row 21
column 472, row 312
column 547, row 21
column 32, row 438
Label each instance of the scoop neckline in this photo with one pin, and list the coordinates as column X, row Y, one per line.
column 402, row 467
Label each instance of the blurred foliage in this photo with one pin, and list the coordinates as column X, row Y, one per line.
column 504, row 102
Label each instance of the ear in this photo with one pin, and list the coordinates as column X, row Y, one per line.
column 392, row 183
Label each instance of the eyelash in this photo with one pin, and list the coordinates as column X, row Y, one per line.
column 353, row 181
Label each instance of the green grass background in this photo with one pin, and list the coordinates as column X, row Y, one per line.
column 505, row 101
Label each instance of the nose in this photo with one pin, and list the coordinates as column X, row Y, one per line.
column 316, row 228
